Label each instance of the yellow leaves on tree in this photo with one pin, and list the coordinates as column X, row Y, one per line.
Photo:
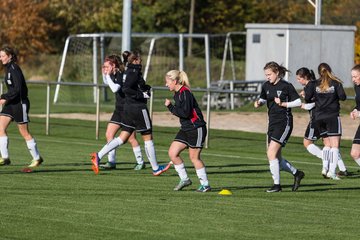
column 24, row 27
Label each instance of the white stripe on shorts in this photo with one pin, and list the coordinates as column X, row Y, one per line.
column 146, row 119
column 286, row 132
column 339, row 125
column 199, row 138
column 25, row 116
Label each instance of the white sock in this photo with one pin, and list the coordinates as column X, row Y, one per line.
column 286, row 166
column 116, row 142
column 201, row 173
column 4, row 142
column 341, row 163
column 314, row 150
column 180, row 169
column 357, row 161
column 334, row 157
column 31, row 144
column 138, row 155
column 275, row 170
column 326, row 158
column 112, row 156
column 151, row 155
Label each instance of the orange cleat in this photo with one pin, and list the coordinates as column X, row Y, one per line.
column 95, row 162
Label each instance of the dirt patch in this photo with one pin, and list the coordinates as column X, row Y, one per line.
column 246, row 121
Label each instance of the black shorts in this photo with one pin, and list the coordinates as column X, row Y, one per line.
column 329, row 126
column 357, row 136
column 312, row 133
column 117, row 117
column 18, row 112
column 137, row 118
column 193, row 138
column 280, row 131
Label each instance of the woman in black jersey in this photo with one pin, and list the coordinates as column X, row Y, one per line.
column 16, row 107
column 304, row 76
column 327, row 92
column 113, row 69
column 192, row 133
column 355, row 149
column 280, row 96
column 136, row 116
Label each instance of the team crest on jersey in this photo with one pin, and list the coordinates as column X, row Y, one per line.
column 278, row 93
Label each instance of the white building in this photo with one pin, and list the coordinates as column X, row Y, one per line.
column 300, row 45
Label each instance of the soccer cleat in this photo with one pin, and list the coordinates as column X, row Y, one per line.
column 274, row 188
column 332, row 176
column 161, row 169
column 108, row 166
column 139, row 166
column 182, row 184
column 343, row 173
column 4, row 161
column 299, row 175
column 36, row 163
column 95, row 162
column 204, row 188
column 324, row 173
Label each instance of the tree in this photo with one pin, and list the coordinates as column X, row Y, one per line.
column 24, row 26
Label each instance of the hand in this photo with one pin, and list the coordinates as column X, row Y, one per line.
column 354, row 114
column 103, row 70
column 146, row 95
column 277, row 101
column 167, row 102
column 302, row 94
column 303, row 105
column 2, row 101
column 256, row 104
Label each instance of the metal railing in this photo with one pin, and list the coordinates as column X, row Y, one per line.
column 207, row 91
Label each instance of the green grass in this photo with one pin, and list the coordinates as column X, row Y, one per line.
column 63, row 199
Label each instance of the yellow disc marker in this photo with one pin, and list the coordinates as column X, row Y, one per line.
column 225, row 192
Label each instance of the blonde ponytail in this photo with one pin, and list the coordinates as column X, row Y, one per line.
column 179, row 76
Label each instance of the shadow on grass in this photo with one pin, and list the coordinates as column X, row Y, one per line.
column 234, row 188
column 237, row 172
column 236, row 165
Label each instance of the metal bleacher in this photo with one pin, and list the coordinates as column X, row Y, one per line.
column 230, row 94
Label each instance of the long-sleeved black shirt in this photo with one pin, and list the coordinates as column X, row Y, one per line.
column 16, row 85
column 326, row 102
column 187, row 109
column 117, row 78
column 283, row 90
column 134, row 85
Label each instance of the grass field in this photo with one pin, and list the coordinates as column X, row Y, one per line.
column 63, row 199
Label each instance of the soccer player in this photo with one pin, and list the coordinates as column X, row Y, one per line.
column 280, row 96
column 355, row 149
column 113, row 69
column 192, row 133
column 327, row 92
column 16, row 106
column 304, row 76
column 136, row 116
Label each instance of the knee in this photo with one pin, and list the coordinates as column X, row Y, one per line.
column 306, row 143
column 109, row 135
column 270, row 155
column 355, row 154
column 172, row 154
column 133, row 142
